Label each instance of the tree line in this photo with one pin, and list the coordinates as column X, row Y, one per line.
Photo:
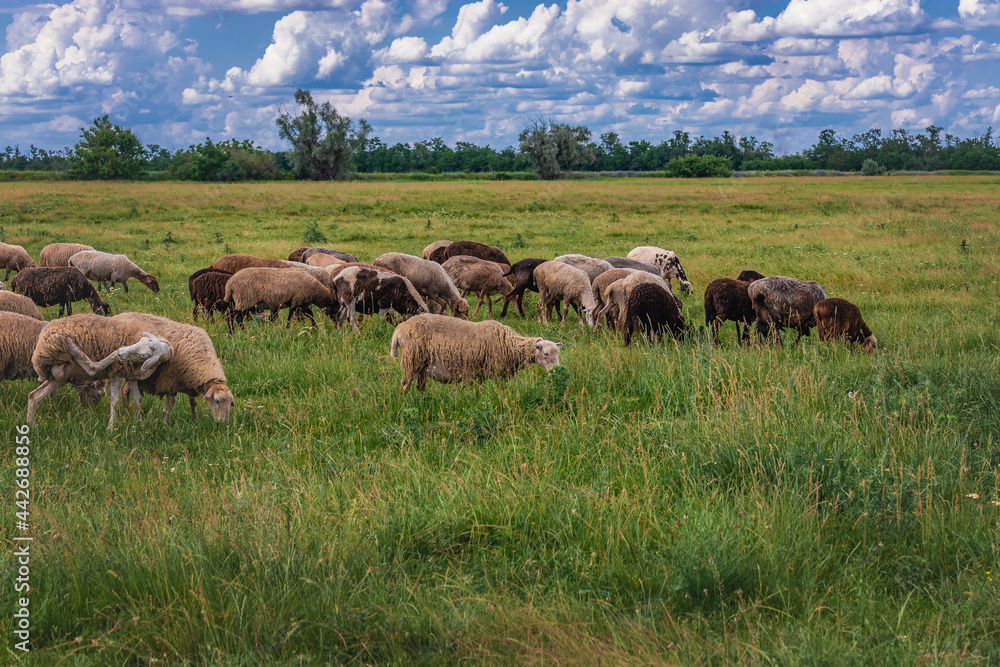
column 327, row 145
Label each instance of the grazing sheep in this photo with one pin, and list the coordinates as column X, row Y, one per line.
column 296, row 255
column 600, row 286
column 626, row 263
column 194, row 368
column 431, row 247
column 66, row 347
column 428, row 277
column 322, row 260
column 105, row 267
column 589, row 265
column 524, row 279
column 480, row 276
column 727, row 300
column 373, row 291
column 562, row 282
column 450, row 350
column 14, row 258
column 58, row 254
column 475, row 249
column 749, row 276
column 654, row 310
column 60, row 285
column 208, row 292
column 257, row 288
column 781, row 302
column 342, row 256
column 839, row 319
column 22, row 305
column 234, row 263
column 615, row 295
column 665, row 260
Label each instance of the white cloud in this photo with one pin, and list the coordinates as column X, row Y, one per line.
column 405, row 50
column 849, row 18
column 989, row 92
column 979, row 13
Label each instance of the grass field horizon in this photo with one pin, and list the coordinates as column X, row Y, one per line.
column 681, row 503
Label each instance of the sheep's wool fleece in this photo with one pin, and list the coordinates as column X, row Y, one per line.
column 18, row 335
column 96, row 335
column 464, row 350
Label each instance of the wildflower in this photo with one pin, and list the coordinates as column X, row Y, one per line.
column 974, row 496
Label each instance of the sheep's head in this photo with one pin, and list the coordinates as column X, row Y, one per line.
column 149, row 280
column 101, row 307
column 220, row 400
column 90, row 392
column 547, row 353
column 462, row 310
column 870, row 344
column 687, row 287
column 150, row 350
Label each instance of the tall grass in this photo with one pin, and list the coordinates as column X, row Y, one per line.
column 682, row 503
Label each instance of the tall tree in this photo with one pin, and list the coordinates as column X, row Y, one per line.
column 107, row 151
column 323, row 141
column 555, row 146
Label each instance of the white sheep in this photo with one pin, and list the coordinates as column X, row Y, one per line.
column 58, row 254
column 264, row 288
column 14, row 258
column 591, row 266
column 107, row 268
column 561, row 282
column 452, row 350
column 666, row 261
column 600, row 286
column 321, row 260
column 428, row 277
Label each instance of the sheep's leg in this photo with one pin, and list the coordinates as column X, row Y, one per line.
column 169, row 400
column 69, row 308
column 114, row 395
column 228, row 316
column 478, row 305
column 489, row 303
column 38, row 395
column 354, row 323
column 193, row 402
column 125, row 285
column 133, row 388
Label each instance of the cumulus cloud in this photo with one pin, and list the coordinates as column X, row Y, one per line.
column 849, row 18
column 979, row 13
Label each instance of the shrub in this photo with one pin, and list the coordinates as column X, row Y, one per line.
column 699, row 166
column 872, row 168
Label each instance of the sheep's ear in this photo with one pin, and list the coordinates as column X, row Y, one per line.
column 149, row 363
column 559, row 345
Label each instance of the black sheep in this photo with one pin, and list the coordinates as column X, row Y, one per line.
column 726, row 300
column 653, row 310
column 49, row 286
column 208, row 291
column 522, row 277
column 749, row 276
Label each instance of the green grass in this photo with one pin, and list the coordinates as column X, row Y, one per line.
column 680, row 503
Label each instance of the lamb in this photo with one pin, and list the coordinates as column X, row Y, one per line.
column 450, row 350
column 60, row 285
column 194, row 368
column 428, row 277
column 272, row 289
column 524, row 279
column 626, row 263
column 475, row 249
column 615, row 295
column 14, row 258
column 322, row 260
column 839, row 319
column 18, row 337
column 600, row 286
column 781, row 302
column 207, row 288
column 589, row 265
column 105, row 267
column 727, row 300
column 234, row 263
column 654, row 310
column 343, row 256
column 431, row 247
column 22, row 305
column 58, row 254
column 484, row 278
column 749, row 276
column 562, row 282
column 66, row 347
column 376, row 291
column 665, row 260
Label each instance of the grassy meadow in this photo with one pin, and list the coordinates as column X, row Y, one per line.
column 679, row 504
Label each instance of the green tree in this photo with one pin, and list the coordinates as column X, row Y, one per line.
column 108, row 152
column 554, row 147
column 323, row 141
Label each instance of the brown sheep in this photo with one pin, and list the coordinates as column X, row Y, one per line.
column 479, row 276
column 14, row 258
column 58, row 254
column 208, row 292
column 780, row 301
column 653, row 310
column 475, row 249
column 233, row 263
column 726, row 300
column 22, row 305
column 839, row 319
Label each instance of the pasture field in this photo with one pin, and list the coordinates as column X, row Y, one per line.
column 680, row 504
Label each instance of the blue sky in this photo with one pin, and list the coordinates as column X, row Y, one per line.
column 177, row 71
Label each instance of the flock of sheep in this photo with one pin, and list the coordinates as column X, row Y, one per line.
column 138, row 352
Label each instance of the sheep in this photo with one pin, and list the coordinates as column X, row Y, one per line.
column 105, row 267
column 322, row 260
column 523, row 272
column 428, row 277
column 450, row 350
column 66, row 347
column 727, row 300
column 749, row 276
column 272, row 289
column 615, row 295
column 652, row 309
column 626, row 263
column 14, row 258
column 22, row 305
column 58, row 254
column 562, row 282
column 296, row 255
column 781, row 302
column 839, row 319
column 484, row 278
column 343, row 256
column 18, row 337
column 194, row 368
column 431, row 247
column 600, row 285
column 234, row 263
column 589, row 265
column 475, row 249
column 375, row 291
column 208, row 291
column 48, row 286
column 665, row 260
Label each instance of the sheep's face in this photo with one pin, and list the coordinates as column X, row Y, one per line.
column 870, row 344
column 150, row 282
column 687, row 287
column 462, row 310
column 90, row 393
column 150, row 350
column 103, row 308
column 219, row 400
column 547, row 354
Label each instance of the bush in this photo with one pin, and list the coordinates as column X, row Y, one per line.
column 107, row 152
column 699, row 166
column 872, row 168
